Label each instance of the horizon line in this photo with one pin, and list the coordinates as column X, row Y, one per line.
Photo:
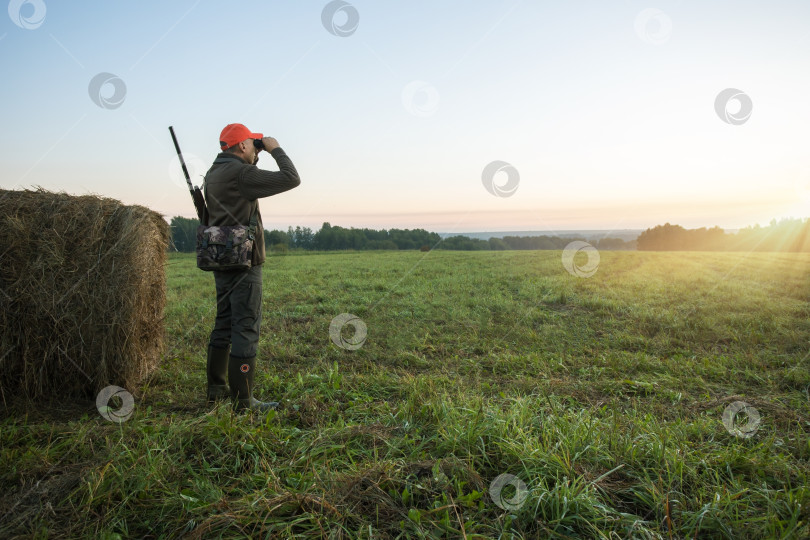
column 515, row 230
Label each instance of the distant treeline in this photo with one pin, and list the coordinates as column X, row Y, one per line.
column 330, row 238
column 784, row 235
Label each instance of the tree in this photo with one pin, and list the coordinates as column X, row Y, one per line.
column 664, row 237
column 612, row 244
column 276, row 237
column 496, row 244
column 184, row 233
column 784, row 235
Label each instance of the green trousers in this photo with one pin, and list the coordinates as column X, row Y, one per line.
column 239, row 311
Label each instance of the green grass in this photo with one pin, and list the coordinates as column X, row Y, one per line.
column 604, row 395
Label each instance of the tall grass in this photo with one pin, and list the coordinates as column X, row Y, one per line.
column 603, row 395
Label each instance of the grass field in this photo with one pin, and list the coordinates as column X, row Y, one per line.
column 602, row 397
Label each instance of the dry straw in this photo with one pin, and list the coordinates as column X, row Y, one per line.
column 83, row 289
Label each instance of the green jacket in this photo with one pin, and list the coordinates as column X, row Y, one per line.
column 232, row 188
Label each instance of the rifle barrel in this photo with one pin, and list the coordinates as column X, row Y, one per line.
column 196, row 195
column 182, row 161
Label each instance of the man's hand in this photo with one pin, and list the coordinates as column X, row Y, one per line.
column 270, row 143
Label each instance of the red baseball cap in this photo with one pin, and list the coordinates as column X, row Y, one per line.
column 236, row 133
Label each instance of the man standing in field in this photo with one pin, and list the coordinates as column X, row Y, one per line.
column 232, row 188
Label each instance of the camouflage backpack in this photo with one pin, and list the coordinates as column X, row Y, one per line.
column 226, row 247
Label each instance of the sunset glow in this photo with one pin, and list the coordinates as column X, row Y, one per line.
column 609, row 115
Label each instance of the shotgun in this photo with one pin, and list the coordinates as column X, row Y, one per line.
column 196, row 194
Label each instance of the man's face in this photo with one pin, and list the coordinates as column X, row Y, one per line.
column 250, row 151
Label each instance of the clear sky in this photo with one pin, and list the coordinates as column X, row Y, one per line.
column 605, row 110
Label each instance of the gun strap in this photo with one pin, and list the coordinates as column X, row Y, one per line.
column 254, row 223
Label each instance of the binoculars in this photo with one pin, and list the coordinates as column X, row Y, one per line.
column 259, row 144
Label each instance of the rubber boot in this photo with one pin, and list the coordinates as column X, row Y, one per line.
column 240, row 374
column 216, row 370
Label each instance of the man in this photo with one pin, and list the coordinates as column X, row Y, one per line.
column 232, row 188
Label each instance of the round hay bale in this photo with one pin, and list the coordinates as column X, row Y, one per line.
column 83, row 289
